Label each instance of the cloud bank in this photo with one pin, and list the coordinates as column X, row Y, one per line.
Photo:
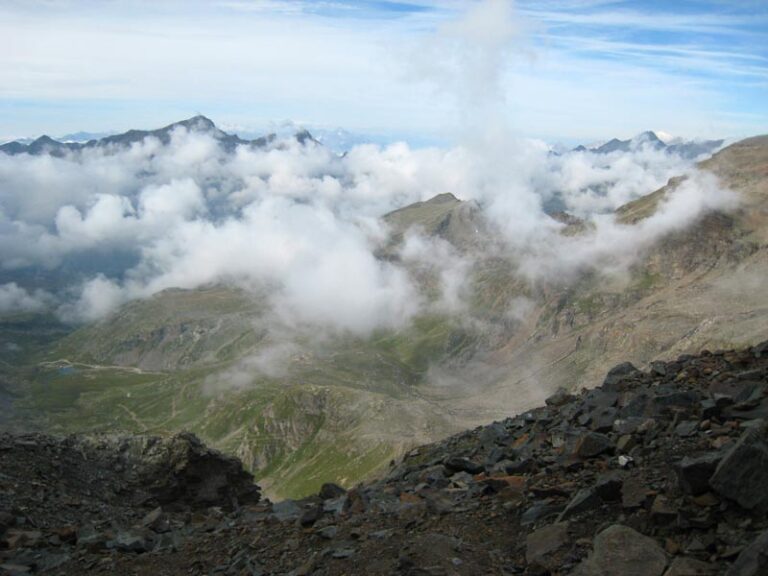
column 304, row 223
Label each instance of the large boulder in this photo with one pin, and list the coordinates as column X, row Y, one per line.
column 592, row 445
column 545, row 546
column 622, row 551
column 614, row 380
column 753, row 560
column 742, row 475
column 695, row 472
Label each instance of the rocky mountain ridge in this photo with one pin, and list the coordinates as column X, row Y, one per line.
column 338, row 140
column 656, row 473
column 201, row 124
column 689, row 149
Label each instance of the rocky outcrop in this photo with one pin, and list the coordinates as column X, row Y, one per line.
column 176, row 469
column 68, row 480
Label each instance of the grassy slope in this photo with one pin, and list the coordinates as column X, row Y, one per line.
column 174, row 329
column 321, row 421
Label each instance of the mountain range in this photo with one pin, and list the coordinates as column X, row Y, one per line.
column 201, row 124
column 688, row 149
column 338, row 140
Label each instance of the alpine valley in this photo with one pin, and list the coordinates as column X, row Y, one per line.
column 108, row 335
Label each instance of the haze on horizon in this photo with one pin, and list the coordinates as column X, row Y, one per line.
column 574, row 71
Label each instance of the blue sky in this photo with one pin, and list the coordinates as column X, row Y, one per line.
column 554, row 69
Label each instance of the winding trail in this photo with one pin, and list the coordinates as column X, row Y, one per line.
column 134, row 417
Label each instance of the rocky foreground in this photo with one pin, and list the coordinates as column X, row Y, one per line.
column 659, row 473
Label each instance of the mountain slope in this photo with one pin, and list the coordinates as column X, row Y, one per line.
column 175, row 329
column 696, row 288
column 655, row 473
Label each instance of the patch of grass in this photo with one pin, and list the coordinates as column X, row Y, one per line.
column 647, row 280
column 590, row 305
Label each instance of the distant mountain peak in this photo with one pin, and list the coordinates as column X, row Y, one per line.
column 303, row 136
column 650, row 139
column 42, row 145
column 201, row 118
column 443, row 198
column 647, row 135
column 199, row 123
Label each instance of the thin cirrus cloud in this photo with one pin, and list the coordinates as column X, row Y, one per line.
column 581, row 71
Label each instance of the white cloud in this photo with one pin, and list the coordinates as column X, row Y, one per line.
column 15, row 299
column 98, row 297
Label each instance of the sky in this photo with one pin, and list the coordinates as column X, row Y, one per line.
column 571, row 71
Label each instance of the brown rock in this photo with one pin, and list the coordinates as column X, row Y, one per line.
column 409, row 498
column 356, row 502
column 706, row 500
column 66, row 534
column 634, row 493
column 516, row 483
column 672, row 546
column 15, row 538
column 662, row 510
